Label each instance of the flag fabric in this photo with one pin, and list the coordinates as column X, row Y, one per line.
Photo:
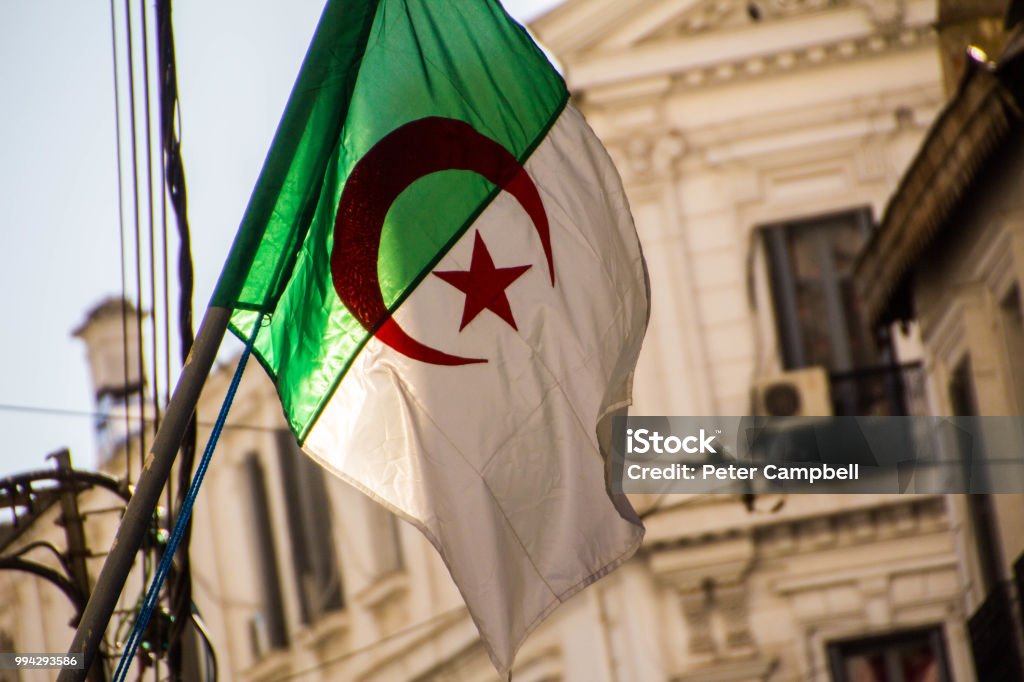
column 456, row 296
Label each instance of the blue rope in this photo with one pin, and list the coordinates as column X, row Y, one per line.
column 153, row 595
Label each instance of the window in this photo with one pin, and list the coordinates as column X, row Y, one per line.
column 962, row 397
column 268, row 629
column 981, row 514
column 387, row 542
column 308, row 511
column 818, row 316
column 917, row 656
column 810, row 263
column 1011, row 315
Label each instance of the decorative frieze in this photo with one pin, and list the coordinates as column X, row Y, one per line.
column 695, row 601
column 731, row 599
column 893, row 36
column 853, row 528
column 886, row 15
column 643, row 157
column 711, row 581
column 717, row 14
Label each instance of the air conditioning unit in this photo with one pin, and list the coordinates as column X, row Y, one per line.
column 796, row 393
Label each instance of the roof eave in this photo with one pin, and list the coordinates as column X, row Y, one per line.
column 963, row 137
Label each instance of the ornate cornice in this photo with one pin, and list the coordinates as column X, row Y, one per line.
column 761, row 66
column 806, row 34
column 647, row 157
column 703, row 17
column 902, row 516
column 826, row 54
column 708, row 16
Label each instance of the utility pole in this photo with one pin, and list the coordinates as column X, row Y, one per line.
column 71, row 520
column 139, row 514
column 74, row 534
column 35, row 492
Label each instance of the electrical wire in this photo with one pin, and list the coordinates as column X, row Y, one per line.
column 165, row 267
column 180, row 588
column 120, row 217
column 153, row 315
column 90, row 414
column 138, row 225
column 204, row 634
column 150, row 200
column 153, row 291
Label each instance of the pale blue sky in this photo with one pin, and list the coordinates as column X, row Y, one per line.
column 58, row 183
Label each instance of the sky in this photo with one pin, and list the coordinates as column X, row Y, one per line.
column 59, row 227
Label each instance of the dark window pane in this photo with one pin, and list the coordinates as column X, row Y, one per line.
column 308, row 512
column 919, row 665
column 866, row 669
column 961, row 390
column 819, row 318
column 268, row 627
column 1012, row 319
column 916, row 656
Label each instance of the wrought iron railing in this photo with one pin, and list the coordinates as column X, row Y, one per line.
column 887, row 390
column 993, row 637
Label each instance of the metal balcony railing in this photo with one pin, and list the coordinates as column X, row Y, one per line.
column 886, row 391
column 994, row 637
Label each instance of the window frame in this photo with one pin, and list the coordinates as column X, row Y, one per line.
column 840, row 651
column 782, row 282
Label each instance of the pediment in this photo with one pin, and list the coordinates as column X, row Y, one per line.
column 711, row 15
column 578, row 27
column 614, row 42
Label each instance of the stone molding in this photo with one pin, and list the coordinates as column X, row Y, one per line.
column 827, row 54
column 650, row 156
column 682, row 559
column 673, row 62
column 716, row 14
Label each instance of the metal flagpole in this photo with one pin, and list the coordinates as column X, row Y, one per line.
column 139, row 513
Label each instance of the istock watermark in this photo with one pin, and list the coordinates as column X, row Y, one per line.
column 733, row 455
column 643, row 441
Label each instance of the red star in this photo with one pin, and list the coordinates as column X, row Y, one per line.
column 484, row 285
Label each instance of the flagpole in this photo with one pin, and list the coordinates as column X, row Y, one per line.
column 139, row 514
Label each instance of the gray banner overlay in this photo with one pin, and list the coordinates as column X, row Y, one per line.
column 736, row 455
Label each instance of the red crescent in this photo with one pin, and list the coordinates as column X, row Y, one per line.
column 404, row 155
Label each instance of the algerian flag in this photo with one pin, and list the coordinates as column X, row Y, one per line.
column 456, row 296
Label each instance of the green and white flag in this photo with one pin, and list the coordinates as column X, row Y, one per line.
column 456, row 296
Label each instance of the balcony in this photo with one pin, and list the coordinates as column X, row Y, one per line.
column 884, row 391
